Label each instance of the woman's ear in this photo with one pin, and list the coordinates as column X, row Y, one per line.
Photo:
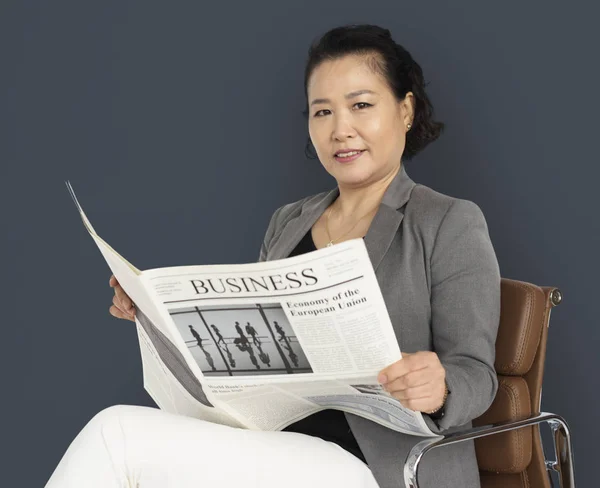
column 407, row 106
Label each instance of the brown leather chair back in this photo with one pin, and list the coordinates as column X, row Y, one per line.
column 515, row 458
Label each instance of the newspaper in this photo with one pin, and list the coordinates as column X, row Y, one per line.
column 263, row 345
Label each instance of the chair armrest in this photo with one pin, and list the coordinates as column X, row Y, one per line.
column 563, row 463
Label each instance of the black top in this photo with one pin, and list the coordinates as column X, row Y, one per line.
column 330, row 425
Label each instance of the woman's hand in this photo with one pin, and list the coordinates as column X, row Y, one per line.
column 417, row 380
column 122, row 307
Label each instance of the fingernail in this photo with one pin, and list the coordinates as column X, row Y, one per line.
column 382, row 379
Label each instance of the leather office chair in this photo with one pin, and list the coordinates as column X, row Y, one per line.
column 507, row 437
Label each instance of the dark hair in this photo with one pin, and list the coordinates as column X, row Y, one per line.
column 394, row 63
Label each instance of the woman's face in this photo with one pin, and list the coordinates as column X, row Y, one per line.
column 352, row 107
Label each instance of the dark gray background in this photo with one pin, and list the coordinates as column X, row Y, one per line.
column 180, row 127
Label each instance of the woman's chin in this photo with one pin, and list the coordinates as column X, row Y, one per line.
column 353, row 176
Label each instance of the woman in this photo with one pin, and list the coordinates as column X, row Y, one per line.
column 367, row 113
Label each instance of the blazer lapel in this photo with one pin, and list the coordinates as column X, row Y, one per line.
column 295, row 229
column 387, row 220
column 381, row 232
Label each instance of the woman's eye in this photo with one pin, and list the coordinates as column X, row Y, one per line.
column 360, row 105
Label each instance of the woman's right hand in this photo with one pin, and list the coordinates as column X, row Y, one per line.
column 122, row 307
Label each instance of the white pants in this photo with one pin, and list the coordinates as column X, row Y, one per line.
column 142, row 447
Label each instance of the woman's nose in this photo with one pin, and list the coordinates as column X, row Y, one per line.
column 342, row 129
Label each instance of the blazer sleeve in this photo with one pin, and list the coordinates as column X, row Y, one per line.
column 465, row 304
column 269, row 235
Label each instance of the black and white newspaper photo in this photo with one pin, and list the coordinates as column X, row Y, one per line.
column 238, row 340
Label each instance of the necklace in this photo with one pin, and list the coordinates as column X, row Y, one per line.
column 331, row 241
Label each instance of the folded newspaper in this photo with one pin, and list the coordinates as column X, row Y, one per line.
column 263, row 345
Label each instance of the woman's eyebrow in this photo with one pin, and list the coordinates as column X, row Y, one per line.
column 348, row 96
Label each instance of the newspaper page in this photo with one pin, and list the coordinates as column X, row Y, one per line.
column 263, row 345
column 166, row 376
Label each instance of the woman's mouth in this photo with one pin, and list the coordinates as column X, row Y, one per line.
column 345, row 157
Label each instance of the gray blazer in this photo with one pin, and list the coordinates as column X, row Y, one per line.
column 440, row 280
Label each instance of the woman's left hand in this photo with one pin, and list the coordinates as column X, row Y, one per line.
column 418, row 381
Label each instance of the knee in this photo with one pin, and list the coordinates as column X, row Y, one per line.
column 114, row 414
